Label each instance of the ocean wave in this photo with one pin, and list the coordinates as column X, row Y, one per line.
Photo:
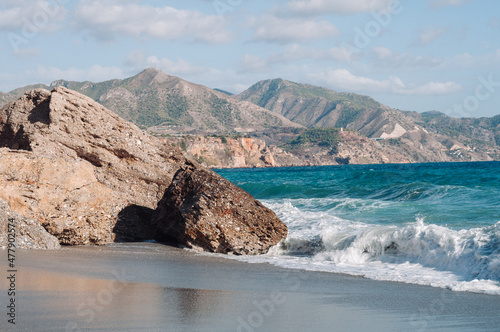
column 419, row 253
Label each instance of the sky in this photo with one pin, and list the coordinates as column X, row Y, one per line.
column 411, row 55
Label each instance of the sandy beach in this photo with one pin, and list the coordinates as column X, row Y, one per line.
column 153, row 287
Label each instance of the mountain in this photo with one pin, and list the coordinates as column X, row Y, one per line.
column 313, row 106
column 224, row 92
column 17, row 93
column 482, row 130
column 173, row 105
column 4, row 98
column 430, row 136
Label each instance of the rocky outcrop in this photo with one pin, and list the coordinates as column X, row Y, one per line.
column 202, row 210
column 25, row 233
column 219, row 152
column 413, row 146
column 86, row 175
column 87, row 165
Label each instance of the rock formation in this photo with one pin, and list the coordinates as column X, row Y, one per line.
column 28, row 232
column 109, row 164
column 201, row 209
column 226, row 152
column 86, row 175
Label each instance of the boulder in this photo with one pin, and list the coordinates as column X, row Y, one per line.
column 204, row 211
column 28, row 232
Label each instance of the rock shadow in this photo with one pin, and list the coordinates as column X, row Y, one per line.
column 41, row 112
column 14, row 140
column 135, row 225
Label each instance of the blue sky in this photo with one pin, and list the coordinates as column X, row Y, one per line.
column 412, row 55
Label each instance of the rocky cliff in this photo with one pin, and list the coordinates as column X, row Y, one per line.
column 350, row 148
column 86, row 175
column 226, row 152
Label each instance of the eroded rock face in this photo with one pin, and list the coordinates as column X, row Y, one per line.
column 226, row 152
column 28, row 232
column 82, row 167
column 64, row 196
column 202, row 210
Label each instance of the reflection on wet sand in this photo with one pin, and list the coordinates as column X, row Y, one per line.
column 85, row 302
column 151, row 287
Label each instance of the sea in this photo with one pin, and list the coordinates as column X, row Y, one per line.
column 435, row 224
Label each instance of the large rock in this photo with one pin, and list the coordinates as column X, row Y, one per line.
column 202, row 210
column 85, row 169
column 28, row 232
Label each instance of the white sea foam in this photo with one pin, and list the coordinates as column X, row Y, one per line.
column 417, row 253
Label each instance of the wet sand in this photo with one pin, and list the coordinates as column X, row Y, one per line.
column 152, row 287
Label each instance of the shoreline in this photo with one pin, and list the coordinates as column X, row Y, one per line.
column 150, row 286
column 338, row 165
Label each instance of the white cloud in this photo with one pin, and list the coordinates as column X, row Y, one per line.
column 490, row 61
column 342, row 79
column 31, row 17
column 253, row 63
column 295, row 52
column 289, row 55
column 108, row 20
column 138, row 61
column 431, row 88
column 447, row 3
column 27, row 52
column 320, row 7
column 430, row 34
column 284, row 30
column 95, row 73
column 179, row 67
column 382, row 52
column 384, row 57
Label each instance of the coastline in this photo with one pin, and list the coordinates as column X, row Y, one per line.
column 379, row 164
column 153, row 287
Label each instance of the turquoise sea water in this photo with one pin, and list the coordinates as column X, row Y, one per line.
column 433, row 224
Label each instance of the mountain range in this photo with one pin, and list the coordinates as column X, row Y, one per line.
column 153, row 98
column 278, row 111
